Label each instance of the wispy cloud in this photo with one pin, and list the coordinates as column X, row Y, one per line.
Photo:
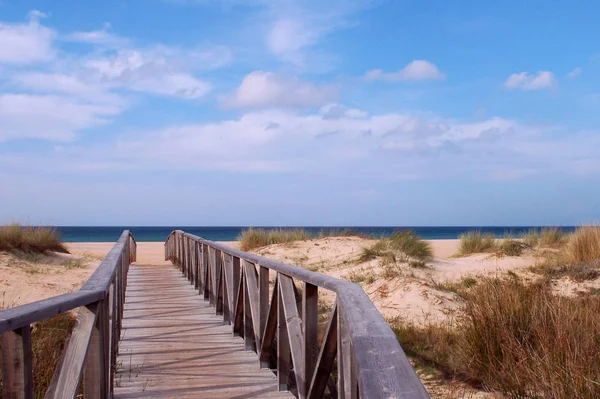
column 414, row 71
column 261, row 89
column 575, row 72
column 26, row 43
column 524, row 81
column 102, row 37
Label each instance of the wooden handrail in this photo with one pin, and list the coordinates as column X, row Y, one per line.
column 92, row 348
column 283, row 331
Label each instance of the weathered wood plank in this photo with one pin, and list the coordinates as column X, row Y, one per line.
column 252, row 287
column 174, row 346
column 21, row 316
column 270, row 330
column 294, row 330
column 249, row 334
column 326, row 359
column 238, row 317
column 17, row 377
column 310, row 321
column 283, row 345
column 94, row 372
column 263, row 301
column 68, row 374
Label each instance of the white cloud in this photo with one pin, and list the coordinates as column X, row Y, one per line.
column 26, row 43
column 267, row 89
column 295, row 28
column 575, row 72
column 73, row 85
column 102, row 37
column 150, row 72
column 49, row 117
column 414, row 71
column 273, row 140
column 524, row 81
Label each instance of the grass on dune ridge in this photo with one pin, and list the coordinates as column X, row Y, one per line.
column 403, row 245
column 476, row 242
column 17, row 238
column 252, row 238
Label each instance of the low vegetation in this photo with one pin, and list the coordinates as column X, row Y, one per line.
column 363, row 275
column 252, row 238
column 48, row 338
column 578, row 259
column 512, row 247
column 409, row 245
column 584, row 245
column 403, row 246
column 24, row 239
column 552, row 237
column 474, row 242
column 517, row 338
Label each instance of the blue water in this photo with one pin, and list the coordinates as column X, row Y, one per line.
column 160, row 233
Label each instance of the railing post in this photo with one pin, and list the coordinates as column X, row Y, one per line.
column 94, row 373
column 17, row 376
column 283, row 345
column 263, row 303
column 310, row 319
column 219, row 286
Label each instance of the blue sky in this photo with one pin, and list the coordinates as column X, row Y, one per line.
column 289, row 112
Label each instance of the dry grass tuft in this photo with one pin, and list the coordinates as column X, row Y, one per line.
column 584, row 245
column 516, row 338
column 474, row 242
column 406, row 242
column 552, row 237
column 17, row 238
column 403, row 246
column 252, row 238
column 512, row 247
column 362, row 275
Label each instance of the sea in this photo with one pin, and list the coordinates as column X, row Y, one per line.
column 231, row 233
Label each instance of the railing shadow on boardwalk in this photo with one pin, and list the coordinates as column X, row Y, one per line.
column 357, row 355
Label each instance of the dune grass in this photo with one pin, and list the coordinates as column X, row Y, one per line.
column 48, row 339
column 517, row 338
column 408, row 243
column 474, row 242
column 578, row 259
column 252, row 238
column 17, row 238
column 403, row 246
column 552, row 237
column 584, row 245
column 512, row 247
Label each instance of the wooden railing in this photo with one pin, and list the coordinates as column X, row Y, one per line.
column 359, row 355
column 91, row 350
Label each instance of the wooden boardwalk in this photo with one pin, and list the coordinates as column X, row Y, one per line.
column 173, row 346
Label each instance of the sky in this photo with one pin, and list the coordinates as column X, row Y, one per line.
column 299, row 112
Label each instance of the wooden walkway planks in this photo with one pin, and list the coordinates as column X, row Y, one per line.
column 173, row 346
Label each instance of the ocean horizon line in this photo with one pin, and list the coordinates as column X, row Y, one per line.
column 231, row 233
